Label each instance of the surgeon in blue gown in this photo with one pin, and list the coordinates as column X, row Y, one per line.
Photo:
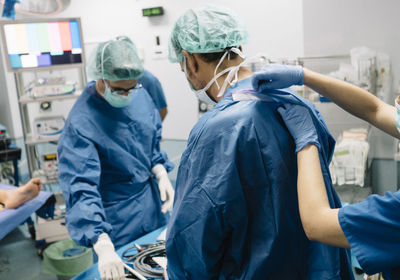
column 111, row 171
column 154, row 88
column 372, row 227
column 236, row 213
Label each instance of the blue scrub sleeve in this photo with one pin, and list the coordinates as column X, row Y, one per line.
column 154, row 88
column 79, row 177
column 158, row 94
column 372, row 228
column 158, row 156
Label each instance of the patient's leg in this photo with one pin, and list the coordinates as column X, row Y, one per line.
column 15, row 197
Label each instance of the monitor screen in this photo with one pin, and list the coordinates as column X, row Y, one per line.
column 42, row 43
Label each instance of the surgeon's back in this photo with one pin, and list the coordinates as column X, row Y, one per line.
column 236, row 213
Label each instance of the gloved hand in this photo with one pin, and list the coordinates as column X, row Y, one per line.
column 300, row 124
column 166, row 190
column 110, row 264
column 276, row 76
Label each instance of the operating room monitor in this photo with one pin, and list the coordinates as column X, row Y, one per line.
column 42, row 43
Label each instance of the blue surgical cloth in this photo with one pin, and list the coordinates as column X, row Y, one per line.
column 236, row 212
column 105, row 159
column 154, row 88
column 372, row 228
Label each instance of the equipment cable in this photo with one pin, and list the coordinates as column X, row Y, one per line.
column 143, row 263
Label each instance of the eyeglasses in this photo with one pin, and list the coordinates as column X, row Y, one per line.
column 122, row 90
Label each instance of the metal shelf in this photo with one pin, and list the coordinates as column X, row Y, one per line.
column 31, row 140
column 27, row 99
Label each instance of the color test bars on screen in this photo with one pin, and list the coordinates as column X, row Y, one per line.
column 43, row 44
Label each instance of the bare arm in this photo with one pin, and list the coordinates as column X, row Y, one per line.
column 354, row 100
column 320, row 222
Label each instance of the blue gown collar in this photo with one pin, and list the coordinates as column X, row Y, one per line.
column 243, row 84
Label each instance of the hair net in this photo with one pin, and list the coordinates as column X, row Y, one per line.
column 205, row 30
column 120, row 61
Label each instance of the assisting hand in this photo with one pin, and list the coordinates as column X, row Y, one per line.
column 166, row 190
column 110, row 264
column 299, row 122
column 276, row 76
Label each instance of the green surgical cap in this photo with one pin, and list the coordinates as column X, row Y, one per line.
column 206, row 30
column 120, row 61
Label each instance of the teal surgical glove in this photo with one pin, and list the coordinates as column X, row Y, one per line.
column 277, row 76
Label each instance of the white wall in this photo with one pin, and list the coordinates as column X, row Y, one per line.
column 9, row 110
column 335, row 26
column 275, row 28
column 270, row 32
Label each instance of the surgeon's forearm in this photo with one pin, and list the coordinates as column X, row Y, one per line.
column 320, row 222
column 354, row 100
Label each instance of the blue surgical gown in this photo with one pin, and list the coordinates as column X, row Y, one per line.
column 105, row 158
column 236, row 212
column 372, row 228
column 154, row 88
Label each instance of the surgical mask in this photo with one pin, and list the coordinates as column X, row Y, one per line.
column 116, row 99
column 397, row 117
column 202, row 95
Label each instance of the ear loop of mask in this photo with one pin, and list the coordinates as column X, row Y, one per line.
column 234, row 72
column 238, row 52
column 214, row 79
column 227, row 53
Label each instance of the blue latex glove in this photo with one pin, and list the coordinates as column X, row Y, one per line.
column 276, row 76
column 300, row 124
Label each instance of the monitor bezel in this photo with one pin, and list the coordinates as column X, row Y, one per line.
column 39, row 68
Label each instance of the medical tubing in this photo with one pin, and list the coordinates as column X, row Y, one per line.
column 134, row 272
column 139, row 261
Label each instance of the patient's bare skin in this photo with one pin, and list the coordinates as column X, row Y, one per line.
column 16, row 197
